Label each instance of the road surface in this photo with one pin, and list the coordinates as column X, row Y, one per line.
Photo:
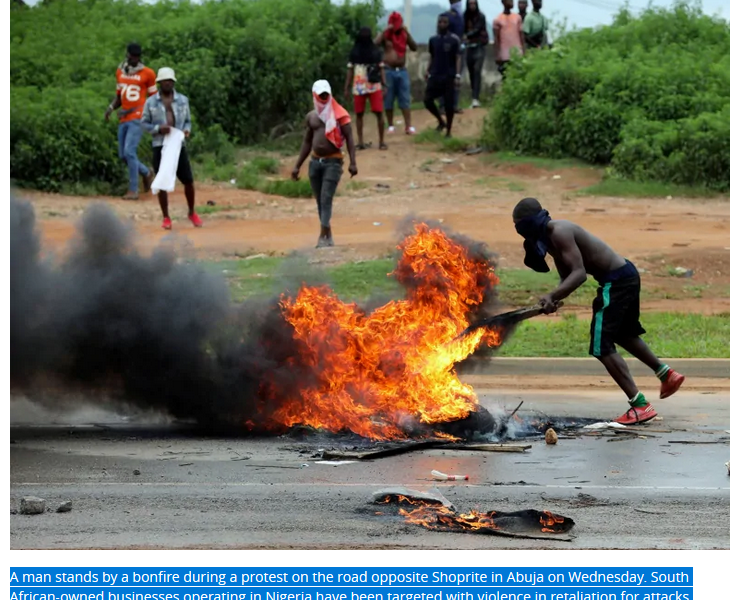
column 195, row 492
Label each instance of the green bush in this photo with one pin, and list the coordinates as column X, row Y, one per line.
column 61, row 139
column 252, row 177
column 648, row 95
column 247, row 67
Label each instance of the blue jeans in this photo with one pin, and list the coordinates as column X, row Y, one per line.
column 129, row 136
column 397, row 86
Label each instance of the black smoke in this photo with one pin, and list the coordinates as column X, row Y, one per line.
column 149, row 330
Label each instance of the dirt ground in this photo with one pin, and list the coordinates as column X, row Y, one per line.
column 471, row 194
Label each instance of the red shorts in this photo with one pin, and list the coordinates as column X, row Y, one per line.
column 376, row 102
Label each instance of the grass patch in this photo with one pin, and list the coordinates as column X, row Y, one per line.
column 251, row 178
column 89, row 188
column 208, row 168
column 549, row 164
column 358, row 281
column 351, row 281
column 211, row 210
column 265, row 164
column 248, row 277
column 678, row 335
column 675, row 335
column 522, row 287
column 623, row 188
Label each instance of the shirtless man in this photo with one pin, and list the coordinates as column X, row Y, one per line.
column 616, row 309
column 327, row 129
column 395, row 40
column 166, row 110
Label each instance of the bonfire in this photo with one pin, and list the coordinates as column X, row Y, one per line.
column 378, row 373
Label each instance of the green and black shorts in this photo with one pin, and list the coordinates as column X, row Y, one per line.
column 616, row 310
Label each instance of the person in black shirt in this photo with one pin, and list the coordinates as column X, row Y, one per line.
column 443, row 74
column 476, row 38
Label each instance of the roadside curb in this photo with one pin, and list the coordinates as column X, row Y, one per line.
column 716, row 368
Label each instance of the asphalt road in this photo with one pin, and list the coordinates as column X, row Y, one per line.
column 195, row 492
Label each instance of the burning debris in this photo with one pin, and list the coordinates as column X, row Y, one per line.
column 432, row 511
column 161, row 334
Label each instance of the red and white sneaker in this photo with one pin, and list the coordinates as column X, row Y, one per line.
column 196, row 221
column 671, row 384
column 167, row 225
column 637, row 414
column 410, row 131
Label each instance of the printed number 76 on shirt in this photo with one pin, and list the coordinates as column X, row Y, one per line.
column 131, row 92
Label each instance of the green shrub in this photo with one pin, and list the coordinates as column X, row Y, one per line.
column 648, row 95
column 246, row 67
column 54, row 142
column 252, row 178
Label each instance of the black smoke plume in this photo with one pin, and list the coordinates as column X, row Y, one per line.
column 150, row 330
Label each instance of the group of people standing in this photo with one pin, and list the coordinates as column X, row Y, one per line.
column 376, row 76
column 377, row 73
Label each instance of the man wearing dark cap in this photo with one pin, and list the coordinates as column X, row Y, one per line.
column 135, row 83
column 616, row 308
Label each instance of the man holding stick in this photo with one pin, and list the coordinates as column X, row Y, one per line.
column 616, row 309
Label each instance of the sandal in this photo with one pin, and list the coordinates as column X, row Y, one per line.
column 383, row 147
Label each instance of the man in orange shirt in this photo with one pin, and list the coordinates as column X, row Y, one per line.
column 507, row 30
column 135, row 83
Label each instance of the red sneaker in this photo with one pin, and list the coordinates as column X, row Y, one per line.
column 637, row 414
column 671, row 384
column 167, row 223
column 194, row 218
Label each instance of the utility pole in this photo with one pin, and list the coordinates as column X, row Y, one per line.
column 408, row 14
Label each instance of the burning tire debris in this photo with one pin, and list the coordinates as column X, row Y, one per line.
column 434, row 512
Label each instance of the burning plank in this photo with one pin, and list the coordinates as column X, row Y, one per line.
column 382, row 452
column 402, row 495
column 489, row 447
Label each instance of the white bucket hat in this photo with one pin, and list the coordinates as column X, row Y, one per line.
column 165, row 74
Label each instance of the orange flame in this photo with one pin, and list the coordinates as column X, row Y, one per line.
column 549, row 521
column 440, row 517
column 378, row 372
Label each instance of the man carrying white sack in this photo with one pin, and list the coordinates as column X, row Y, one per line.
column 167, row 117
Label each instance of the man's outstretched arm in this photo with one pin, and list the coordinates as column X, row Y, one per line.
column 570, row 266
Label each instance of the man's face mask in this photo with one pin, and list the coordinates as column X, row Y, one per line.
column 533, row 229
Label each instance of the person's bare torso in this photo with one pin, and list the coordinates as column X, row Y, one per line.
column 321, row 145
column 391, row 57
column 168, row 104
column 598, row 258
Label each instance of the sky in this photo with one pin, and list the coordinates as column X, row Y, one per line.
column 581, row 13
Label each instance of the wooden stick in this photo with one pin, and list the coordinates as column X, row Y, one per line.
column 489, row 447
column 383, row 452
column 697, row 442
